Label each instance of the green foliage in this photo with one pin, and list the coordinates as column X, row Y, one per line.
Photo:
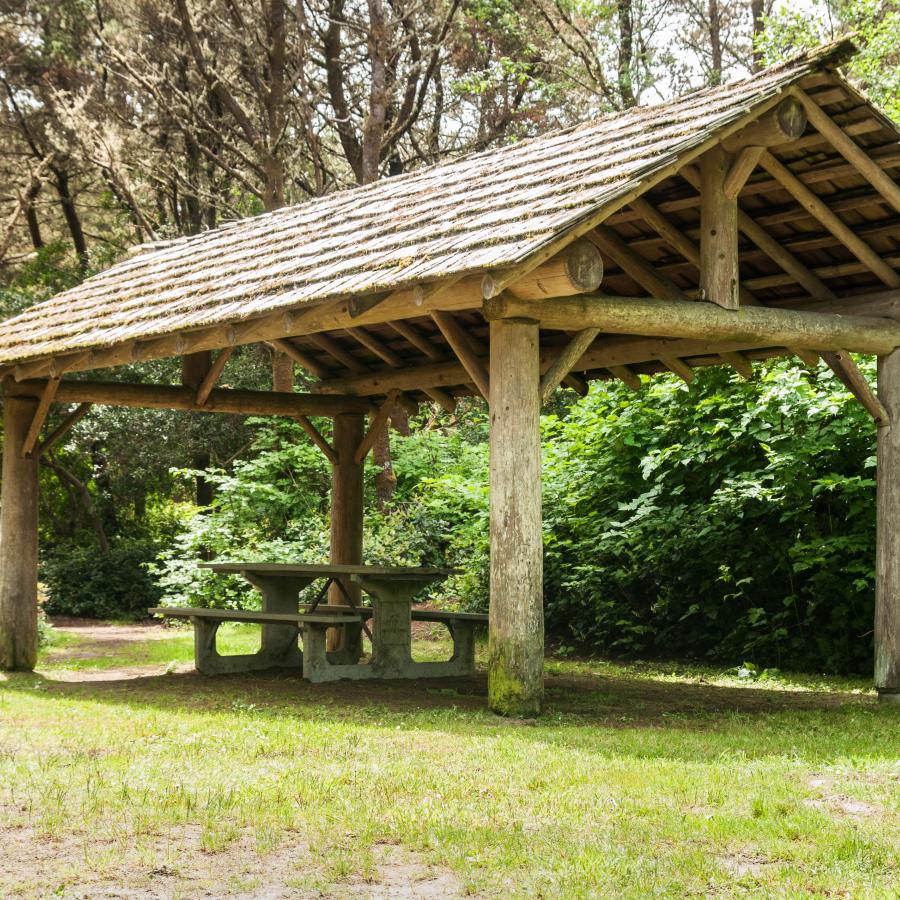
column 731, row 519
column 875, row 26
column 114, row 585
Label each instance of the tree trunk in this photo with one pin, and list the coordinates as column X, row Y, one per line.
column 73, row 221
column 516, row 653
column 887, row 553
column 18, row 541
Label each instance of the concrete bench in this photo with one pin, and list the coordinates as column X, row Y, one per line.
column 278, row 648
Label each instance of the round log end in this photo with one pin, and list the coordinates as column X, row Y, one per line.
column 418, row 295
column 791, row 117
column 584, row 266
column 488, row 287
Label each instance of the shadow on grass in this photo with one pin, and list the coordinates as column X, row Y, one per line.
column 610, row 700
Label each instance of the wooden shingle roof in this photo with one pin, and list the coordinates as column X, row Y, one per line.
column 482, row 212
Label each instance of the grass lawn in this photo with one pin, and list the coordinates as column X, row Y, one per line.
column 124, row 773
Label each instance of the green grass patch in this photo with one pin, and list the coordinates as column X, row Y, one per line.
column 638, row 780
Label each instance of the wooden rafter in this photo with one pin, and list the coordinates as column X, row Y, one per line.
column 849, row 149
column 886, row 157
column 819, row 210
column 376, row 426
column 459, row 342
column 51, row 388
column 338, row 353
column 310, row 363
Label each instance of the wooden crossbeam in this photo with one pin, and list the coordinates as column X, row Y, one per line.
column 51, row 388
column 212, row 376
column 63, row 428
column 167, row 396
column 562, row 365
column 849, row 149
column 459, row 343
column 818, row 209
column 665, row 318
column 376, row 426
column 317, row 438
column 841, row 363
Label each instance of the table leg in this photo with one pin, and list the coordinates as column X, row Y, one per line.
column 279, row 645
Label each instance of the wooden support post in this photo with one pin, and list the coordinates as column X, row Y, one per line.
column 346, row 512
column 18, row 540
column 282, row 372
column 887, row 552
column 719, row 276
column 515, row 673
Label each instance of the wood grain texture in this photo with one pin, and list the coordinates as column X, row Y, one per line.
column 18, row 540
column 887, row 552
column 516, row 653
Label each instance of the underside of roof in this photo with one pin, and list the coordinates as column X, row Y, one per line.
column 494, row 210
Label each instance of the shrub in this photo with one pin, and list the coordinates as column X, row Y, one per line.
column 82, row 582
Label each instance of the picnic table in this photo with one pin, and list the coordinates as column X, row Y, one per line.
column 285, row 622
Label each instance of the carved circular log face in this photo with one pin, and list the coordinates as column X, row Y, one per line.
column 791, row 118
column 584, row 266
column 785, row 123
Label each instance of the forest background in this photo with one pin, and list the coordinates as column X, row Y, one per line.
column 731, row 520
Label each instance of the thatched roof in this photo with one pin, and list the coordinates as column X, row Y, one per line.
column 482, row 212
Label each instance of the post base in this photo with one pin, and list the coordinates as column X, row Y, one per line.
column 891, row 698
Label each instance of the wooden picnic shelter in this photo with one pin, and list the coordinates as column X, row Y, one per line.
column 751, row 220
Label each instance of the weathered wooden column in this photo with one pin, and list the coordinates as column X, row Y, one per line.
column 346, row 511
column 719, row 276
column 516, row 666
column 18, row 540
column 887, row 553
